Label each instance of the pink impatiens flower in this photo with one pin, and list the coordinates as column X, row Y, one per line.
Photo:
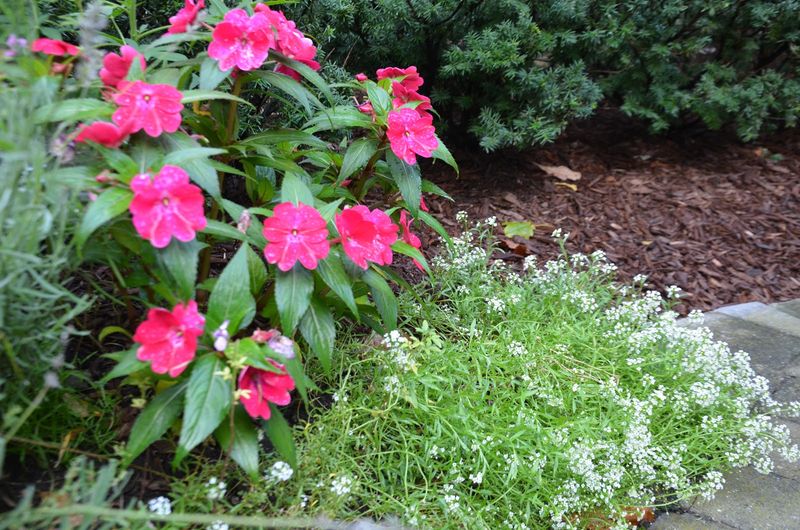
column 290, row 41
column 55, row 47
column 411, row 133
column 258, row 388
column 166, row 205
column 241, row 41
column 185, row 17
column 409, row 237
column 169, row 338
column 411, row 78
column 154, row 108
column 103, row 133
column 402, row 95
column 115, row 67
column 295, row 233
column 366, row 235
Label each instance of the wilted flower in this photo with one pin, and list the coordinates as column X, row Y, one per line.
column 409, row 237
column 169, row 338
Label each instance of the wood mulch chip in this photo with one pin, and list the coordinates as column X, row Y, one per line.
column 718, row 218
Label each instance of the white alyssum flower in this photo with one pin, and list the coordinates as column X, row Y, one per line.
column 342, row 485
column 496, row 305
column 216, row 489
column 280, row 471
column 160, row 505
column 217, row 525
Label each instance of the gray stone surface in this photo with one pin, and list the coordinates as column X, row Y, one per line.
column 792, row 308
column 752, row 501
column 789, row 469
column 764, row 315
column 685, row 521
column 772, row 352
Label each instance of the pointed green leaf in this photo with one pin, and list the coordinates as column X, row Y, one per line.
column 180, row 259
column 319, row 331
column 293, row 290
column 154, row 420
column 381, row 102
column 431, row 221
column 210, row 74
column 332, row 273
column 190, row 96
column 413, row 253
column 280, row 434
column 241, row 443
column 356, row 157
column 208, row 400
column 223, row 230
column 200, row 170
column 383, row 297
column 72, row 110
column 180, row 158
column 294, row 190
column 231, row 299
column 127, row 363
column 108, row 205
column 443, row 153
column 257, row 270
column 408, row 181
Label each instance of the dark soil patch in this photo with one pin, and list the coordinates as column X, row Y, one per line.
column 716, row 217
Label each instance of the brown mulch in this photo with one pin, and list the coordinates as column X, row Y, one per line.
column 703, row 211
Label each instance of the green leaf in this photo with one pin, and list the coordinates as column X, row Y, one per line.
column 381, row 102
column 431, row 221
column 277, row 136
column 127, row 363
column 294, row 190
column 519, row 228
column 257, row 270
column 210, row 74
column 292, row 88
column 384, row 298
column 293, row 290
column 408, row 181
column 443, row 153
column 333, row 274
column 200, row 170
column 72, row 110
column 181, row 157
column 223, row 230
column 108, row 205
column 319, row 330
column 208, row 400
column 306, row 72
column 252, row 353
column 231, row 299
column 154, row 420
column 340, row 117
column 179, row 260
column 430, row 187
column 280, row 434
column 356, row 157
column 404, row 248
column 190, row 96
column 328, row 210
column 110, row 330
column 242, row 443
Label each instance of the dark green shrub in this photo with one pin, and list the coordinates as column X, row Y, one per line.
column 514, row 73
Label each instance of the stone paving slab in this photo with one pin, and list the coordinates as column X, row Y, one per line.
column 772, row 352
column 685, row 521
column 750, row 500
column 754, row 501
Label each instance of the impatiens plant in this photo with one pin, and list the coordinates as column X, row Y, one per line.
column 235, row 254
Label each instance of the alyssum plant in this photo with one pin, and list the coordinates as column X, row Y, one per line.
column 158, row 137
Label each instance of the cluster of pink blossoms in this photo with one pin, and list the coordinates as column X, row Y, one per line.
column 140, row 106
column 409, row 129
column 299, row 233
column 244, row 41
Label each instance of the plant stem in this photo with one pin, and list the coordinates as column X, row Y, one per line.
column 358, row 190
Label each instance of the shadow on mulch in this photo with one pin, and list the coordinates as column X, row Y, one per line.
column 716, row 217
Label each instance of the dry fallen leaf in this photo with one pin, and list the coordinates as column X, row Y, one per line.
column 560, row 172
column 510, row 197
column 573, row 187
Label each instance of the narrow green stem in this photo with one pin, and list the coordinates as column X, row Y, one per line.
column 132, row 20
column 361, row 179
column 28, row 411
column 237, row 89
